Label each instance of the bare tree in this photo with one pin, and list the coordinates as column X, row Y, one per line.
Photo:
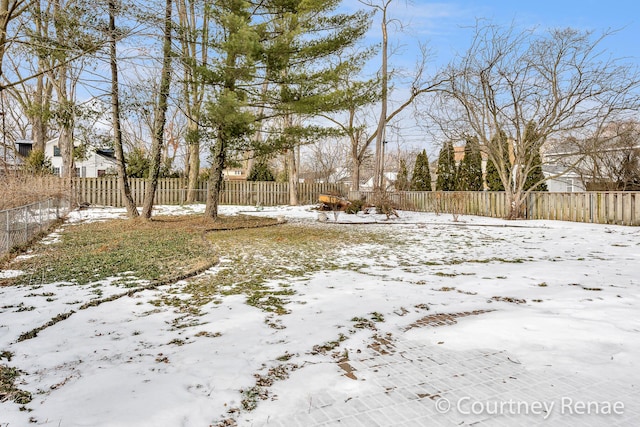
column 30, row 58
column 352, row 123
column 534, row 87
column 609, row 162
column 420, row 84
column 132, row 211
column 378, row 171
column 194, row 17
column 159, row 114
column 9, row 11
column 325, row 160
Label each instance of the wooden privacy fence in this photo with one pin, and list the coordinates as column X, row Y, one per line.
column 621, row 207
column 595, row 207
column 172, row 191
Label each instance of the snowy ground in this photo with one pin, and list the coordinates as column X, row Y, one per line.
column 558, row 299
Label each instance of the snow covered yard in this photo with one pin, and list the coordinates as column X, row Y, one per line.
column 552, row 305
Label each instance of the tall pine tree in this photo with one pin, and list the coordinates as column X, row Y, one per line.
column 421, row 178
column 402, row 180
column 494, row 183
column 493, row 175
column 260, row 171
column 302, row 40
column 535, row 176
column 227, row 116
column 446, row 180
column 470, row 169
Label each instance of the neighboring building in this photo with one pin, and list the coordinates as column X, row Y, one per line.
column 96, row 162
column 389, row 182
column 12, row 157
column 458, row 153
column 569, row 182
column 234, row 174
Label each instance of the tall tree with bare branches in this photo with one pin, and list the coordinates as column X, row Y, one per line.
column 160, row 113
column 419, row 85
column 554, row 85
column 193, row 35
column 130, row 205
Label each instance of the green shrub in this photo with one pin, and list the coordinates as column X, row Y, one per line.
column 355, row 206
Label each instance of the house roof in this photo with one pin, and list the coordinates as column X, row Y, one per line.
column 106, row 152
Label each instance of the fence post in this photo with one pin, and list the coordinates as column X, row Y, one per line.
column 26, row 224
column 8, row 231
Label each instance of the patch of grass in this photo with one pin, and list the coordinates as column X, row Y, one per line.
column 146, row 250
column 508, row 299
column 8, row 378
column 328, row 346
column 377, row 317
column 441, row 274
column 260, row 391
column 363, row 323
column 260, row 263
column 285, row 357
column 208, row 334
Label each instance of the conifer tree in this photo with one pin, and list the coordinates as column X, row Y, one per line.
column 534, row 169
column 421, row 178
column 446, row 168
column 226, row 114
column 493, row 176
column 302, row 39
column 470, row 169
column 535, row 176
column 402, row 180
column 260, row 171
column 494, row 183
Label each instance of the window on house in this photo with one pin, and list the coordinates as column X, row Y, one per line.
column 101, row 172
column 56, row 151
column 56, row 171
column 570, row 186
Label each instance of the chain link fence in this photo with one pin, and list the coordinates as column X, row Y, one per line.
column 19, row 225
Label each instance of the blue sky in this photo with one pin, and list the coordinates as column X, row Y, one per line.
column 445, row 25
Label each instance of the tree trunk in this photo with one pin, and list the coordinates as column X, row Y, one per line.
column 132, row 211
column 378, row 171
column 292, row 167
column 160, row 117
column 194, row 165
column 516, row 203
column 41, row 102
column 215, row 179
column 356, row 163
column 65, row 144
column 292, row 174
column 193, row 37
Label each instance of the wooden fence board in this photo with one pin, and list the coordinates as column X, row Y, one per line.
column 596, row 207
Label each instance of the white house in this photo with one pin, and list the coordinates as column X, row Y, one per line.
column 389, row 182
column 96, row 162
column 568, row 182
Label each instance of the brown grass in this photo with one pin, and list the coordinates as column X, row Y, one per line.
column 19, row 189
